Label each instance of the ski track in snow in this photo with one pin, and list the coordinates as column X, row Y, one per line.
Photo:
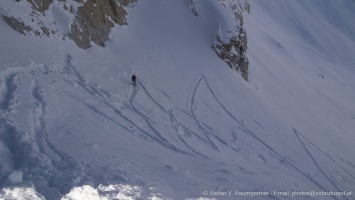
column 39, row 126
column 317, row 165
column 62, row 171
column 277, row 154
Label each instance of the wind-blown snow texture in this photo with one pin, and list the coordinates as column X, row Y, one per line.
column 73, row 127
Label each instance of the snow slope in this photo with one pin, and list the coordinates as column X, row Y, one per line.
column 73, row 127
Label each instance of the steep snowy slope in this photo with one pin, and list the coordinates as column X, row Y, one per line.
column 307, row 48
column 73, row 127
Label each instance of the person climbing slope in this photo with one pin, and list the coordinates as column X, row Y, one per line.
column 134, row 80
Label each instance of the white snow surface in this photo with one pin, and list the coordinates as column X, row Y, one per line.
column 72, row 126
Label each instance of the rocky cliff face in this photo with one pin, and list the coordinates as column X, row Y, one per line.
column 83, row 21
column 232, row 45
column 232, row 50
column 95, row 19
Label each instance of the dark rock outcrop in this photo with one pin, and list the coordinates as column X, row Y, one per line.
column 17, row 24
column 233, row 46
column 92, row 19
column 232, row 51
column 40, row 5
